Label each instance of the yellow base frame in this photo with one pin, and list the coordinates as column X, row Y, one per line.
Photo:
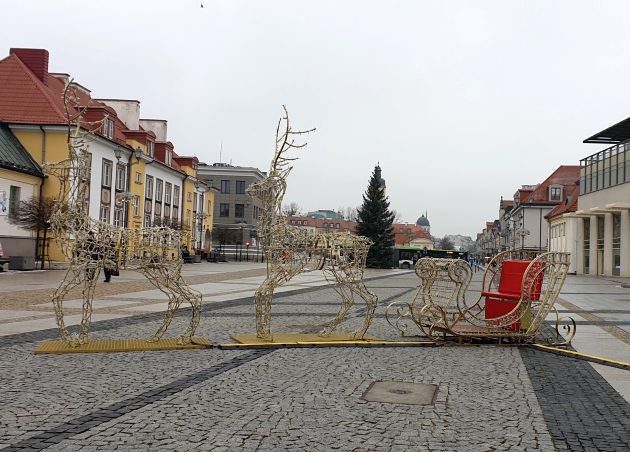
column 121, row 345
column 297, row 338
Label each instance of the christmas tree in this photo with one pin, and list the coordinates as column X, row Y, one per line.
column 375, row 222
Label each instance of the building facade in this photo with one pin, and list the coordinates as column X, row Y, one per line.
column 525, row 225
column 235, row 213
column 135, row 177
column 603, row 210
column 20, row 179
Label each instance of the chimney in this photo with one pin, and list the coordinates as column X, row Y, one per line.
column 36, row 60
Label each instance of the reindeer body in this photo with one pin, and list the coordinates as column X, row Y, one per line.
column 290, row 250
column 91, row 245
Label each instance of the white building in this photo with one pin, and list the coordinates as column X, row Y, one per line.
column 603, row 211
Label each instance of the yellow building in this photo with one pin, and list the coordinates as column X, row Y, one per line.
column 20, row 179
column 136, row 178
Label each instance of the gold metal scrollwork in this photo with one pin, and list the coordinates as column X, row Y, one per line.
column 93, row 246
column 291, row 250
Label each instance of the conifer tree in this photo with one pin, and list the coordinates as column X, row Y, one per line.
column 375, row 222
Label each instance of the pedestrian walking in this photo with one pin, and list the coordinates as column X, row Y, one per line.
column 110, row 265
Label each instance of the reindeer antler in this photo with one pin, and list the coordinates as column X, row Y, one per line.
column 285, row 141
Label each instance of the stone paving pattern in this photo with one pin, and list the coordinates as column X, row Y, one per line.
column 488, row 398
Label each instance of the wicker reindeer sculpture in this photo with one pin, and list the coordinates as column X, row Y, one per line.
column 91, row 245
column 291, row 250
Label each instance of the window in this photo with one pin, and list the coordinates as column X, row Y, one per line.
column 108, row 128
column 168, row 157
column 225, row 186
column 148, row 193
column 195, row 203
column 555, row 193
column 136, row 205
column 305, row 223
column 138, row 177
column 106, row 176
column 240, row 187
column 167, row 212
column 120, row 177
column 150, row 148
column 104, row 214
column 147, row 220
column 118, row 217
column 158, row 190
column 175, row 213
column 158, row 210
column 239, row 210
column 167, row 192
column 224, row 210
column 176, row 196
column 189, row 196
column 14, row 200
column 209, row 207
column 337, row 225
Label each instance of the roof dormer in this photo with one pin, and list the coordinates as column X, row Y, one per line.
column 555, row 193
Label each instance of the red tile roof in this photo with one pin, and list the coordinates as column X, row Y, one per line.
column 24, row 99
column 344, row 225
column 569, row 204
column 565, row 175
column 405, row 233
column 29, row 94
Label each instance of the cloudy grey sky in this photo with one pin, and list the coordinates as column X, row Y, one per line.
column 461, row 102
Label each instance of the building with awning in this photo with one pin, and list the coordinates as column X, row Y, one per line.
column 603, row 210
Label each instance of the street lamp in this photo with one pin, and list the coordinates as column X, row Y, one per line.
column 118, row 153
column 523, row 232
column 199, row 215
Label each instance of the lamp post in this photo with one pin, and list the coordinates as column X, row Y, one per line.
column 200, row 215
column 523, row 232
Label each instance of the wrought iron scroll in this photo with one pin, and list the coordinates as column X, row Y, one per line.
column 438, row 300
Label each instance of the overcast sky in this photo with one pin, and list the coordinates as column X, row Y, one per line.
column 461, row 102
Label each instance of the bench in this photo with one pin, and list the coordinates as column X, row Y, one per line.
column 516, row 297
column 439, row 299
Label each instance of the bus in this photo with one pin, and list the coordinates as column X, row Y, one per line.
column 406, row 256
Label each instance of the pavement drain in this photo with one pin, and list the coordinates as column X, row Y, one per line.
column 401, row 393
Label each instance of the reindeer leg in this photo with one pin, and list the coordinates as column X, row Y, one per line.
column 73, row 277
column 183, row 292
column 263, row 298
column 93, row 271
column 162, row 280
column 371, row 300
column 347, row 300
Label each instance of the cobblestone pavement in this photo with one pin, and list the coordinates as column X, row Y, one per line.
column 488, row 398
column 24, row 299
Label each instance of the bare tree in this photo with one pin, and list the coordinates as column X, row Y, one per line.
column 291, row 209
column 446, row 244
column 34, row 214
column 348, row 213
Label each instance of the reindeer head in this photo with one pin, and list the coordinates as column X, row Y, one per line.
column 271, row 190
